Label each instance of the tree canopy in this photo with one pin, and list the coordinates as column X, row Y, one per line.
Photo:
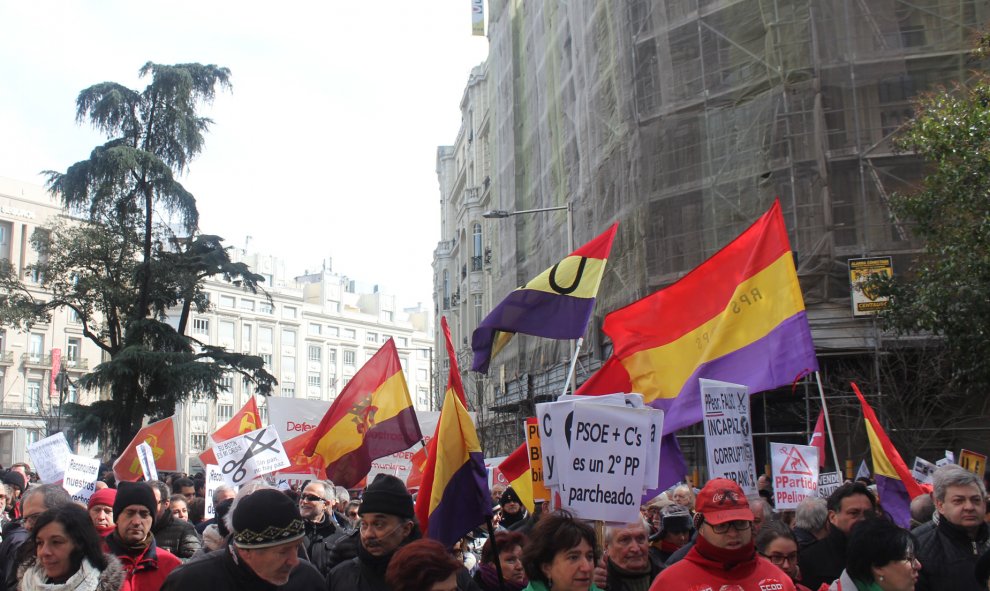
column 134, row 267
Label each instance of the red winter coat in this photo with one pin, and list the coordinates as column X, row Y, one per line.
column 697, row 573
column 146, row 571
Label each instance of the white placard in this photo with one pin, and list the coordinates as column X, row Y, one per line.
column 82, row 495
column 251, row 455
column 795, row 473
column 828, row 482
column 79, row 472
column 214, row 478
column 146, row 456
column 950, row 458
column 608, row 462
column 50, row 457
column 728, row 436
column 923, row 470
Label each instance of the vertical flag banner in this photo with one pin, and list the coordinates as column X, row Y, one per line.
column 555, row 305
column 738, row 317
column 160, row 436
column 818, row 438
column 454, row 497
column 56, row 367
column 895, row 484
column 372, row 417
column 246, row 420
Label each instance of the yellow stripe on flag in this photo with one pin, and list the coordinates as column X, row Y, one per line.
column 564, row 274
column 456, row 439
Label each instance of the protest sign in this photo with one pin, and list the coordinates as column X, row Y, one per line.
column 863, row 471
column 608, row 453
column 251, row 455
column 828, row 482
column 146, row 457
column 728, row 436
column 540, row 491
column 950, row 458
column 81, row 472
column 50, row 456
column 973, row 461
column 795, row 473
column 214, row 478
column 923, row 470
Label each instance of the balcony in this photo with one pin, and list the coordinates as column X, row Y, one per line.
column 7, row 358
column 445, row 247
column 78, row 364
column 36, row 360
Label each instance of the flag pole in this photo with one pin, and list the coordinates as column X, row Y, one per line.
column 570, row 371
column 828, row 421
column 498, row 563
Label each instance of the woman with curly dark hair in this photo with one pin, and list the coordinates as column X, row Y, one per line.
column 423, row 565
column 561, row 554
column 510, row 545
column 68, row 555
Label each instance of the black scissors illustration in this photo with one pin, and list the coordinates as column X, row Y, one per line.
column 256, row 447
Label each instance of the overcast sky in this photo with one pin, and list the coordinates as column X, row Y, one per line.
column 325, row 147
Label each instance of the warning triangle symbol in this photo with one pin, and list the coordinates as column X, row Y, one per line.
column 795, row 464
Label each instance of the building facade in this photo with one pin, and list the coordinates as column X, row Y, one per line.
column 30, row 401
column 314, row 333
column 683, row 121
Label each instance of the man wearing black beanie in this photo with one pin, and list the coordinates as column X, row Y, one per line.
column 134, row 511
column 386, row 521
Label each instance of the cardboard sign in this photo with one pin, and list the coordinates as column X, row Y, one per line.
column 251, row 455
column 540, row 491
column 828, row 482
column 795, row 473
column 923, row 470
column 81, row 473
column 50, row 457
column 728, row 435
column 608, row 462
column 146, row 457
column 973, row 461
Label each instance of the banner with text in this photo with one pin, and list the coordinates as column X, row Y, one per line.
column 80, row 478
column 795, row 474
column 540, row 491
column 50, row 457
column 147, row 459
column 923, row 470
column 728, row 435
column 828, row 482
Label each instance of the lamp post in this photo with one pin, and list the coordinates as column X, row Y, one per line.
column 502, row 213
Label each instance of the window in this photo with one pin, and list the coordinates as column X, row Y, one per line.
column 347, row 381
column 476, row 301
column 198, row 441
column 266, row 358
column 225, row 331
column 289, row 390
column 403, row 342
column 315, row 329
column 333, row 331
column 247, row 304
column 72, row 351
column 388, row 315
column 371, row 337
column 477, row 255
column 350, row 333
column 288, row 338
column 289, row 312
column 288, row 363
column 73, row 316
column 446, row 289
column 349, row 358
column 201, row 326
column 33, row 394
column 265, row 335
column 225, row 412
column 227, row 301
column 36, row 347
column 424, row 397
column 313, row 380
column 332, row 357
column 246, row 337
column 199, row 411
column 266, row 307
column 421, row 375
column 424, row 353
column 73, row 395
column 227, row 383
column 3, row 340
column 315, row 352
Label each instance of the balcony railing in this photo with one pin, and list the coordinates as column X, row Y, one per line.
column 36, row 360
column 76, row 364
column 6, row 358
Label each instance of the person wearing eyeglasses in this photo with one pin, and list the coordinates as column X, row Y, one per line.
column 323, row 527
column 880, row 556
column 777, row 543
column 35, row 501
column 723, row 555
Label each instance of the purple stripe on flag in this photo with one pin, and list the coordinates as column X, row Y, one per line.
column 532, row 312
column 466, row 502
column 673, row 468
column 896, row 501
column 770, row 362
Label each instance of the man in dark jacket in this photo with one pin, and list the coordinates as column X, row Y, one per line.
column 263, row 554
column 949, row 550
column 386, row 523
column 323, row 527
column 823, row 561
column 175, row 535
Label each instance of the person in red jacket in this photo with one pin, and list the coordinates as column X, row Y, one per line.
column 723, row 555
column 132, row 542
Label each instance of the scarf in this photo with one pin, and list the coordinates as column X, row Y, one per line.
column 489, row 579
column 668, row 547
column 376, row 563
column 135, row 548
column 729, row 558
column 84, row 579
column 634, row 581
column 864, row 586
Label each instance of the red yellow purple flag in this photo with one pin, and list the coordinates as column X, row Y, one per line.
column 738, row 317
column 160, row 436
column 557, row 304
column 371, row 418
column 895, row 483
column 517, row 471
column 454, row 497
column 246, row 420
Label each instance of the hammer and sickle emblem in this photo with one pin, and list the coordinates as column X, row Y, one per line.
column 156, row 452
column 247, row 424
column 574, row 285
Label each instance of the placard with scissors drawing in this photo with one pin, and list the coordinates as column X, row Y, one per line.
column 251, row 455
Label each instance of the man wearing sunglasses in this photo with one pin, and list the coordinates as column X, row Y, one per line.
column 723, row 555
column 323, row 527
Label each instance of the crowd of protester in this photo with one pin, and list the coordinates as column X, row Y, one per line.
column 150, row 536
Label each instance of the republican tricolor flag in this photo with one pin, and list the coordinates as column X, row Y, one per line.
column 454, row 497
column 372, row 418
column 555, row 305
column 519, row 473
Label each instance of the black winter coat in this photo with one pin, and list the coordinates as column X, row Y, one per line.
column 823, row 561
column 355, row 575
column 222, row 571
column 320, row 540
column 948, row 557
column 177, row 536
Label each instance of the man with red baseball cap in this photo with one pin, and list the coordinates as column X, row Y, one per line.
column 723, row 555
